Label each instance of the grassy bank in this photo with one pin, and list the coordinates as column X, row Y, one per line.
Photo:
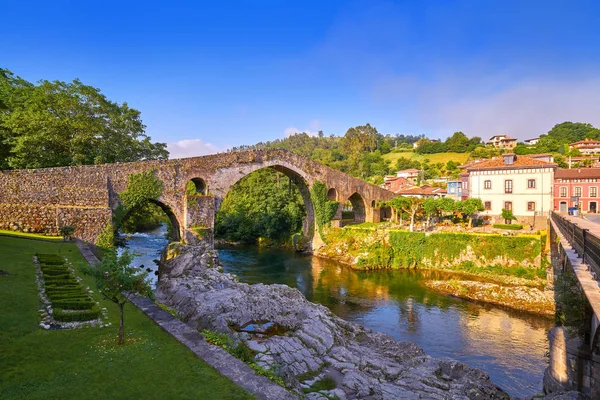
column 504, row 270
column 86, row 363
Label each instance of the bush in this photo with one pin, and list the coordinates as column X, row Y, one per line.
column 76, row 316
column 73, row 304
column 514, row 227
column 50, row 259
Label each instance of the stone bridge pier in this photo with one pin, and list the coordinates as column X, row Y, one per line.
column 86, row 197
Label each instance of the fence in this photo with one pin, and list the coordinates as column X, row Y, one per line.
column 586, row 244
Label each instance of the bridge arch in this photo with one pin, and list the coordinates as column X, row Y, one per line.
column 168, row 210
column 297, row 177
column 359, row 207
column 199, row 185
column 332, row 194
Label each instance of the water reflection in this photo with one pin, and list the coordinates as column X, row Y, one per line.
column 509, row 345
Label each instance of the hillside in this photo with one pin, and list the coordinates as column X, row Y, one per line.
column 460, row 158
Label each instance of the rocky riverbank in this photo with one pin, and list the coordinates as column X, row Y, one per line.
column 314, row 351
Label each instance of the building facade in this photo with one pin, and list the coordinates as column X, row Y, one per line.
column 582, row 183
column 586, row 146
column 455, row 189
column 521, row 184
column 502, row 142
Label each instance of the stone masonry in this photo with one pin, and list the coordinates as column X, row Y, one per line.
column 43, row 200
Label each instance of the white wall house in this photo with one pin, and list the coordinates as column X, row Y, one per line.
column 519, row 183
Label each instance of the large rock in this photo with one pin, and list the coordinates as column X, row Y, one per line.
column 296, row 337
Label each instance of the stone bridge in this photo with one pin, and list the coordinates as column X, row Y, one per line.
column 574, row 359
column 43, row 200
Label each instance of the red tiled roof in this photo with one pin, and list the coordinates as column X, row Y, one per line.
column 586, row 141
column 577, row 173
column 519, row 163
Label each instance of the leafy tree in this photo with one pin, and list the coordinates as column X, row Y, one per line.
column 560, row 161
column 457, row 143
column 508, row 216
column 56, row 123
column 264, row 204
column 114, row 276
column 66, row 232
column 470, row 207
column 405, row 163
column 409, row 205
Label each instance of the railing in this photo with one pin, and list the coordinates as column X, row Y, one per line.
column 586, row 244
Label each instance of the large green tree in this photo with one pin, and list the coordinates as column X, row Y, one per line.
column 57, row 123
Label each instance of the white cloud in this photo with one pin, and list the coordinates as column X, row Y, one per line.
column 483, row 106
column 191, row 148
column 313, row 129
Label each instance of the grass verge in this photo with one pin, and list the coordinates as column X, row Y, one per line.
column 86, row 363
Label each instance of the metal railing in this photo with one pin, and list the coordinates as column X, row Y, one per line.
column 586, row 244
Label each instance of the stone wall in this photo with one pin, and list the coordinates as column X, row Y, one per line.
column 42, row 200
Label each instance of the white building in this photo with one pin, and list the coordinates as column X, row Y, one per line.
column 531, row 142
column 518, row 183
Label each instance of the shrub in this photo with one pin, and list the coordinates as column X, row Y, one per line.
column 76, row 316
column 50, row 259
column 514, row 227
column 73, row 304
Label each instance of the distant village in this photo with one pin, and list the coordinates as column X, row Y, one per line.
column 528, row 185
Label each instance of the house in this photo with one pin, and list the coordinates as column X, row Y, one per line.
column 582, row 183
column 394, row 183
column 412, row 174
column 502, row 142
column 418, row 142
column 455, row 189
column 464, row 180
column 531, row 142
column 586, row 146
column 425, row 191
column 521, row 184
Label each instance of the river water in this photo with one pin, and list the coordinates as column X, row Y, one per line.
column 510, row 346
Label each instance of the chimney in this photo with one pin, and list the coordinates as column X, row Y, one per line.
column 509, row 158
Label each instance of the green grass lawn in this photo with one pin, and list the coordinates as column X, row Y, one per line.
column 86, row 363
column 433, row 158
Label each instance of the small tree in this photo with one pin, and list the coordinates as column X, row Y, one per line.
column 508, row 216
column 66, row 232
column 114, row 276
column 470, row 207
column 409, row 205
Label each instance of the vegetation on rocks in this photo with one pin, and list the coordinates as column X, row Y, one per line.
column 324, row 209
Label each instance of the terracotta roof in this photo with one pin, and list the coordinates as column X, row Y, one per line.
column 586, row 141
column 410, row 170
column 519, row 162
column 577, row 173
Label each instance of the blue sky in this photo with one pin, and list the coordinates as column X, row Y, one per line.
column 210, row 75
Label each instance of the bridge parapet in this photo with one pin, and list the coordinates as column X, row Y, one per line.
column 575, row 362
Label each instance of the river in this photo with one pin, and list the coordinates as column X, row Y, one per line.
column 510, row 346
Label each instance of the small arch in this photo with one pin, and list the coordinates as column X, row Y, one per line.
column 373, row 203
column 354, row 208
column 332, row 194
column 176, row 226
column 196, row 186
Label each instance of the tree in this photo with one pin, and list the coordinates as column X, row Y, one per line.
column 409, row 205
column 457, row 143
column 508, row 216
column 114, row 276
column 56, row 123
column 66, row 232
column 470, row 207
column 405, row 163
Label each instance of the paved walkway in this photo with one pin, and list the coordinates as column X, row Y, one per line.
column 589, row 285
column 227, row 365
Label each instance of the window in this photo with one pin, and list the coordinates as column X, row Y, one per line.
column 508, row 186
column 530, row 183
column 578, row 191
column 487, row 184
column 531, row 206
column 487, row 205
column 563, row 191
column 508, row 205
column 594, row 191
